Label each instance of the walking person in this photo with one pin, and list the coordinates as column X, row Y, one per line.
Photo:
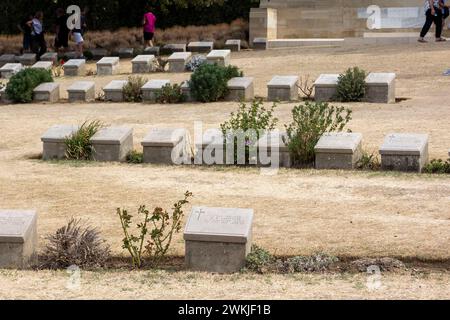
column 24, row 27
column 433, row 12
column 62, row 31
column 38, row 44
column 78, row 34
column 149, row 23
column 445, row 12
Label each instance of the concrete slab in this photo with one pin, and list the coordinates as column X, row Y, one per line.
column 269, row 145
column 48, row 91
column 82, row 91
column 75, row 68
column 338, row 150
column 150, row 89
column 53, row 139
column 177, row 61
column 45, row 65
column 114, row 90
column 219, row 57
column 108, row 66
column 325, row 87
column 283, row 88
column 167, row 146
column 112, row 144
column 10, row 69
column 380, row 88
column 233, row 44
column 240, row 89
column 200, row 46
column 143, row 64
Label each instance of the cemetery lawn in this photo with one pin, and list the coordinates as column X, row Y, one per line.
column 297, row 212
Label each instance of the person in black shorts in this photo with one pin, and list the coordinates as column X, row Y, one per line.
column 62, row 32
column 24, row 27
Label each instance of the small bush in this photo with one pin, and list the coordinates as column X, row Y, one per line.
column 437, row 166
column 351, row 85
column 135, row 157
column 316, row 263
column 132, row 90
column 209, row 81
column 170, row 94
column 78, row 145
column 160, row 225
column 88, row 55
column 21, row 85
column 259, row 260
column 310, row 121
column 195, row 62
column 306, row 87
column 75, row 244
column 368, row 161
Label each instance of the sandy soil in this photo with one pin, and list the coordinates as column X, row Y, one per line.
column 297, row 211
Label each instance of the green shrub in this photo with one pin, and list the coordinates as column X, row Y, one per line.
column 170, row 94
column 351, row 85
column 21, row 85
column 259, row 260
column 368, row 161
column 310, row 121
column 78, row 145
column 88, row 55
column 160, row 225
column 132, row 90
column 437, row 166
column 209, row 81
column 135, row 157
column 251, row 120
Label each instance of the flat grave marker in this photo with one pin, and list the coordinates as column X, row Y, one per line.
column 338, row 150
column 283, row 88
column 112, row 144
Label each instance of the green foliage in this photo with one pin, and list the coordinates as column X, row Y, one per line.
column 88, row 55
column 132, row 90
column 135, row 157
column 318, row 262
column 209, row 81
column 170, row 94
column 259, row 260
column 351, row 85
column 310, row 121
column 437, row 166
column 21, row 85
column 368, row 161
column 78, row 145
column 160, row 225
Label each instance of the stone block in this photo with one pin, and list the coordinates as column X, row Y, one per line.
column 7, row 58
column 186, row 91
column 75, row 68
column 126, row 53
column 10, row 69
column 219, row 57
column 240, row 89
column 233, row 44
column 167, row 146
column 211, row 149
column 260, row 43
column 404, row 152
column 50, row 56
column 380, row 88
column 338, row 150
column 152, row 51
column 45, row 65
column 48, row 91
column 143, row 63
column 150, row 89
column 325, row 87
column 200, row 46
column 218, row 239
column 108, row 66
column 114, row 90
column 170, row 48
column 18, row 239
column 272, row 144
column 54, row 146
column 68, row 55
column 27, row 59
column 82, row 91
column 112, row 144
column 283, row 88
column 99, row 53
column 177, row 61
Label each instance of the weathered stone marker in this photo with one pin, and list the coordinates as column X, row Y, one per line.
column 404, row 152
column 99, row 53
column 338, row 150
column 186, row 91
column 152, row 51
column 211, row 149
column 151, row 88
column 177, row 61
column 18, row 238
column 112, row 144
column 283, row 88
column 108, row 66
column 380, row 88
column 27, row 59
column 167, row 146
column 114, row 90
column 240, row 88
column 173, row 47
column 10, row 69
column 48, row 91
column 7, row 58
column 50, row 56
column 218, row 239
column 233, row 44
column 268, row 145
column 325, row 87
column 45, row 65
column 143, row 63
column 54, row 146
column 75, row 67
column 219, row 57
column 200, row 46
column 82, row 91
column 260, row 43
column 126, row 53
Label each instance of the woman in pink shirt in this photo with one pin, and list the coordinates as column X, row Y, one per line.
column 149, row 27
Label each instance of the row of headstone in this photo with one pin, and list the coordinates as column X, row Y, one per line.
column 216, row 239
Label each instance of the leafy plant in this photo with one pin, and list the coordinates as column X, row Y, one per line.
column 132, row 90
column 75, row 244
column 195, row 62
column 209, row 81
column 310, row 121
column 368, row 161
column 259, row 260
column 250, row 120
column 135, row 157
column 170, row 94
column 437, row 166
column 160, row 225
column 78, row 145
column 88, row 55
column 351, row 85
column 21, row 85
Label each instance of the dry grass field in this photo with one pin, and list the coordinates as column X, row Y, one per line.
column 348, row 214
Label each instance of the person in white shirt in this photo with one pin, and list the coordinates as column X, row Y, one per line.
column 38, row 44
